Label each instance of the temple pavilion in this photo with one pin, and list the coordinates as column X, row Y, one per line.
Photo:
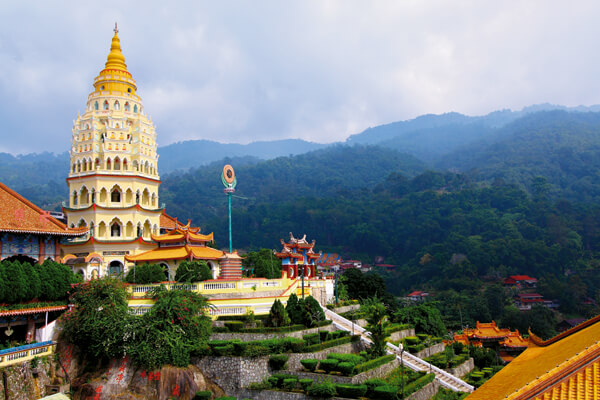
column 298, row 258
column 566, row 366
column 187, row 243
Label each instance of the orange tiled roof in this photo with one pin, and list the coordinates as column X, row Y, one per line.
column 564, row 367
column 27, row 311
column 168, row 222
column 19, row 215
column 177, row 253
column 514, row 340
column 487, row 330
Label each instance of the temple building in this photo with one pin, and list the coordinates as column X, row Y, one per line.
column 113, row 178
column 564, row 367
column 509, row 344
column 28, row 233
column 187, row 243
column 298, row 258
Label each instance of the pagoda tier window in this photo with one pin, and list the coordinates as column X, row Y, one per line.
column 135, row 108
column 127, row 107
column 74, row 198
column 105, row 105
column 93, row 196
column 96, row 106
column 139, row 231
column 115, row 196
column 115, row 230
column 117, row 165
column 92, row 229
column 117, row 105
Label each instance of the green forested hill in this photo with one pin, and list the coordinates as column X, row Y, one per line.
column 560, row 146
column 335, row 171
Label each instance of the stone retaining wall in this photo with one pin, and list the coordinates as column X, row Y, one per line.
column 344, row 309
column 436, row 348
column 426, row 392
column 399, row 335
column 249, row 337
column 463, row 368
column 294, row 364
column 233, row 373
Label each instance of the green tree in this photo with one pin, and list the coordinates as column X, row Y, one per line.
column 99, row 323
column 313, row 312
column 16, row 289
column 426, row 318
column 294, row 309
column 174, row 328
column 146, row 274
column 34, row 284
column 193, row 271
column 495, row 298
column 377, row 322
column 263, row 264
column 277, row 315
column 361, row 285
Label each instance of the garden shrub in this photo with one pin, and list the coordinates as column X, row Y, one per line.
column 328, row 364
column 277, row 315
column 385, row 392
column 305, row 384
column 226, row 398
column 310, row 364
column 351, row 358
column 311, row 338
column 273, row 381
column 234, row 326
column 330, row 343
column 418, row 384
column 281, row 377
column 324, row 335
column 290, row 383
column 374, row 363
column 146, row 274
column 346, row 368
column 221, row 351
column 255, row 350
column 422, row 336
column 193, row 271
column 372, row 384
column 351, row 391
column 278, row 361
column 203, row 395
column 239, row 348
column 264, row 385
column 324, row 390
column 412, row 340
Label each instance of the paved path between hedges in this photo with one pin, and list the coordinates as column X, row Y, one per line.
column 413, row 362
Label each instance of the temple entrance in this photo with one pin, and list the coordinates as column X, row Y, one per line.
column 115, row 268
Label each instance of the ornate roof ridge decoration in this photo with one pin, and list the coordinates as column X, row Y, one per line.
column 543, row 343
column 19, row 215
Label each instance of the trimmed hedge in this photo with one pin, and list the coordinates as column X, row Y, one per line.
column 278, row 361
column 331, row 343
column 385, row 392
column 234, row 326
column 351, row 391
column 279, row 378
column 377, row 362
column 305, row 384
column 346, row 368
column 372, row 384
column 323, row 390
column 328, row 364
column 310, row 364
column 418, row 384
column 351, row 358
column 203, row 395
column 311, row 338
column 290, row 383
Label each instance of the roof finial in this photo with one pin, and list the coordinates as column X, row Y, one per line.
column 116, row 30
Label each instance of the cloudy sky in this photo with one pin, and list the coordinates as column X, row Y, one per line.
column 239, row 71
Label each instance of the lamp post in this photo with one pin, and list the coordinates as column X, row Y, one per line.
column 335, row 277
column 402, row 367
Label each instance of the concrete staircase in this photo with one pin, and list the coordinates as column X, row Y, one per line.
column 445, row 379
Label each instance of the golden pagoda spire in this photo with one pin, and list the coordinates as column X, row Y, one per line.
column 115, row 59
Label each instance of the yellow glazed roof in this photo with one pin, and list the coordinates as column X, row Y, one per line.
column 115, row 59
column 173, row 253
column 569, row 361
column 206, row 252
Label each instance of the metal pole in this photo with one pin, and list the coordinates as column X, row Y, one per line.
column 336, row 285
column 302, row 281
column 230, row 236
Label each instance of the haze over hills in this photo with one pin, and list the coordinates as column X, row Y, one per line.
column 481, row 146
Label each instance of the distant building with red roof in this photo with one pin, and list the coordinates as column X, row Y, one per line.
column 520, row 281
column 417, row 295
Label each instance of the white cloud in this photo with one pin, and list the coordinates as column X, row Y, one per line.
column 319, row 70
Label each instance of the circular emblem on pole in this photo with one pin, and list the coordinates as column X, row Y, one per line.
column 228, row 174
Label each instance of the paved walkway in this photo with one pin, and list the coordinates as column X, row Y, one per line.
column 415, row 363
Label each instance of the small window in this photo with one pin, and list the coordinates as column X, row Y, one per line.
column 135, row 108
column 115, row 196
column 115, row 230
column 117, row 105
column 128, row 90
column 127, row 107
column 105, row 105
column 96, row 106
column 102, row 87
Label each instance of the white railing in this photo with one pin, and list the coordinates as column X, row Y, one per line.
column 141, row 289
column 247, row 285
column 139, row 310
column 180, row 286
column 270, row 284
column 227, row 310
column 219, row 285
column 412, row 361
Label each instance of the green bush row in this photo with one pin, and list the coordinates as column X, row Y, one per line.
column 373, row 363
column 330, row 343
column 418, row 384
